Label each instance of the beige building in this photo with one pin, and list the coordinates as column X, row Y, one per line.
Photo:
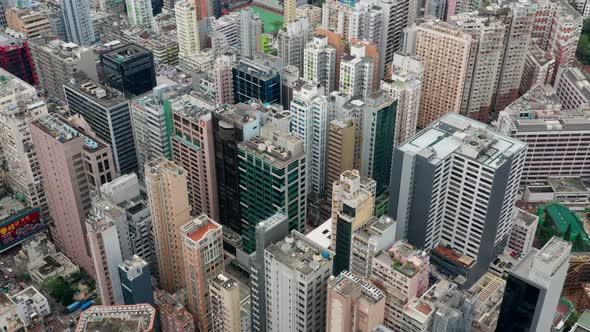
column 31, row 22
column 224, row 294
column 290, row 11
column 340, row 151
column 444, row 50
column 202, row 243
column 354, row 304
column 166, row 185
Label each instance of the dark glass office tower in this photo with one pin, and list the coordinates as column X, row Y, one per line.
column 136, row 281
column 255, row 81
column 157, row 7
column 129, row 69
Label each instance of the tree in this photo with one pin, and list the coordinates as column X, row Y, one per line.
column 579, row 243
column 59, row 289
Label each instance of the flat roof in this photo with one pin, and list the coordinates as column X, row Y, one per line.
column 569, row 184
column 322, row 235
column 10, row 206
column 200, row 233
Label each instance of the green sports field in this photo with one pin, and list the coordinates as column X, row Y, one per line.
column 272, row 21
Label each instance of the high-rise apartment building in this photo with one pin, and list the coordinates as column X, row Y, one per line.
column 428, row 170
column 551, row 134
column 250, row 33
column 319, row 64
column 290, row 11
column 402, row 271
column 272, row 178
column 140, row 13
column 72, row 164
column 187, row 33
column 356, row 73
column 107, row 113
column 129, row 69
column 130, row 198
column 202, row 244
column 56, row 61
column 405, row 86
column 354, row 304
column 379, row 122
column 253, row 80
column 136, row 281
column 522, row 234
column 572, row 88
column 33, row 23
column 224, row 31
column 444, row 51
column 15, row 57
column 222, row 70
column 533, row 288
column 297, row 274
column 271, row 230
column 336, row 17
column 173, row 316
column 292, row 39
column 151, row 115
column 105, row 249
column 19, row 106
column 78, row 21
column 352, row 207
column 538, row 69
column 309, row 111
column 192, row 149
column 225, row 304
column 340, row 149
column 167, row 191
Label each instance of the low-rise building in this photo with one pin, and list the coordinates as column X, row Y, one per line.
column 489, row 290
column 172, row 314
column 31, row 305
column 9, row 319
column 52, row 266
column 522, row 235
column 124, row 318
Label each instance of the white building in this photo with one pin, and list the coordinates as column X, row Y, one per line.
column 309, row 110
column 405, row 86
column 557, row 140
column 297, row 273
column 250, row 33
column 319, row 63
column 376, row 235
column 455, row 184
column 225, row 31
column 30, row 305
column 573, row 88
column 19, row 106
column 292, row 40
column 522, row 235
column 187, row 32
column 356, row 73
column 139, row 14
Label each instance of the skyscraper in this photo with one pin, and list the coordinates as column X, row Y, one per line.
column 292, row 39
column 78, row 21
column 340, row 150
column 250, row 33
column 166, row 185
column 225, row 304
column 253, row 80
column 202, row 244
column 192, row 149
column 187, row 31
column 269, row 231
column 354, row 304
column 474, row 221
column 83, row 163
column 533, row 288
column 136, row 281
column 140, row 13
column 320, row 63
column 19, row 106
column 107, row 112
column 290, row 10
column 309, row 110
column 444, row 51
column 298, row 271
column 129, row 69
column 264, row 170
column 352, row 206
column 356, row 73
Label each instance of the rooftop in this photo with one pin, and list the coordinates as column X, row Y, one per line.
column 285, row 148
column 225, row 282
column 126, row 53
column 199, row 227
column 99, row 94
column 10, row 206
column 10, row 84
column 163, row 166
column 347, row 284
column 121, row 318
column 300, row 254
column 525, row 217
column 256, row 69
column 567, row 185
column 61, row 131
column 456, row 134
column 166, row 302
column 322, row 235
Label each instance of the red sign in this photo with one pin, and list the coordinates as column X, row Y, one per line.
column 202, row 123
column 19, row 228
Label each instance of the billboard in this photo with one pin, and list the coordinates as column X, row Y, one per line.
column 19, row 227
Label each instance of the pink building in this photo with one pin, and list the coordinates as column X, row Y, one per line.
column 72, row 164
column 354, row 304
column 402, row 273
column 192, row 149
column 202, row 242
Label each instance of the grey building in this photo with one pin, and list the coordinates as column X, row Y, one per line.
column 78, row 21
column 454, row 185
column 269, row 231
column 107, row 112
